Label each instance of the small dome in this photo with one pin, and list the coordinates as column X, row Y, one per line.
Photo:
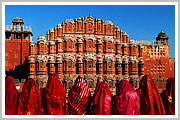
column 32, row 43
column 117, row 42
column 117, row 28
column 59, row 59
column 59, row 26
column 108, row 22
column 125, row 59
column 69, row 21
column 17, row 19
column 51, row 30
column 99, row 41
column 31, row 60
column 79, row 36
column 124, row 44
column 41, row 38
column 38, row 58
column 98, row 37
column 99, row 60
column 51, row 42
column 51, row 59
column 118, row 59
column 59, row 40
column 79, row 41
column 131, row 59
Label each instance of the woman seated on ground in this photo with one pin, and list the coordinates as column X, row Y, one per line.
column 102, row 99
column 78, row 97
column 54, row 97
column 11, row 94
column 150, row 100
column 127, row 100
column 168, row 97
column 30, row 101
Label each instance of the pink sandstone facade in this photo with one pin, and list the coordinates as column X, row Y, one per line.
column 98, row 50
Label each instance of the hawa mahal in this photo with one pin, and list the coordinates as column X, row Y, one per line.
column 96, row 49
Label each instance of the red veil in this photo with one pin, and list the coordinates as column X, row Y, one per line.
column 127, row 100
column 55, row 96
column 30, row 99
column 150, row 100
column 168, row 97
column 78, row 97
column 102, row 99
column 11, row 94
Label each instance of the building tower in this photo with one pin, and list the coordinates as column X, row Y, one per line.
column 17, row 42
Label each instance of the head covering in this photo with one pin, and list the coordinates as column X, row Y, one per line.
column 55, row 96
column 168, row 97
column 127, row 100
column 150, row 100
column 30, row 99
column 102, row 99
column 78, row 97
column 11, row 94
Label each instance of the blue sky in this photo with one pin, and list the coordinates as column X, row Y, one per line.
column 141, row 22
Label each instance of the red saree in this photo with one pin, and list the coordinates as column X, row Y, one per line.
column 127, row 100
column 150, row 100
column 78, row 97
column 102, row 99
column 30, row 99
column 55, row 96
column 11, row 94
column 168, row 97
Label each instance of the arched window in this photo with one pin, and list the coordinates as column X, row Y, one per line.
column 69, row 85
column 69, row 64
column 90, row 64
column 110, row 84
column 90, row 84
column 69, row 27
column 109, row 29
column 109, row 64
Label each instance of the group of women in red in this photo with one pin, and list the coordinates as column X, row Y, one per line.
column 52, row 100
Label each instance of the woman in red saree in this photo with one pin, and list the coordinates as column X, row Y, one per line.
column 55, row 97
column 150, row 100
column 11, row 94
column 78, row 97
column 127, row 100
column 102, row 99
column 168, row 97
column 30, row 99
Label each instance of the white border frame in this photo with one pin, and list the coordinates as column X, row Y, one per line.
column 89, row 3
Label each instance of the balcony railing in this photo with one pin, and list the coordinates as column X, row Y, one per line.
column 18, row 28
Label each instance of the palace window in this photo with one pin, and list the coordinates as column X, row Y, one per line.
column 69, row 27
column 110, row 64
column 90, row 66
column 6, row 63
column 69, row 85
column 69, row 65
column 110, row 85
column 90, row 84
column 16, row 55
